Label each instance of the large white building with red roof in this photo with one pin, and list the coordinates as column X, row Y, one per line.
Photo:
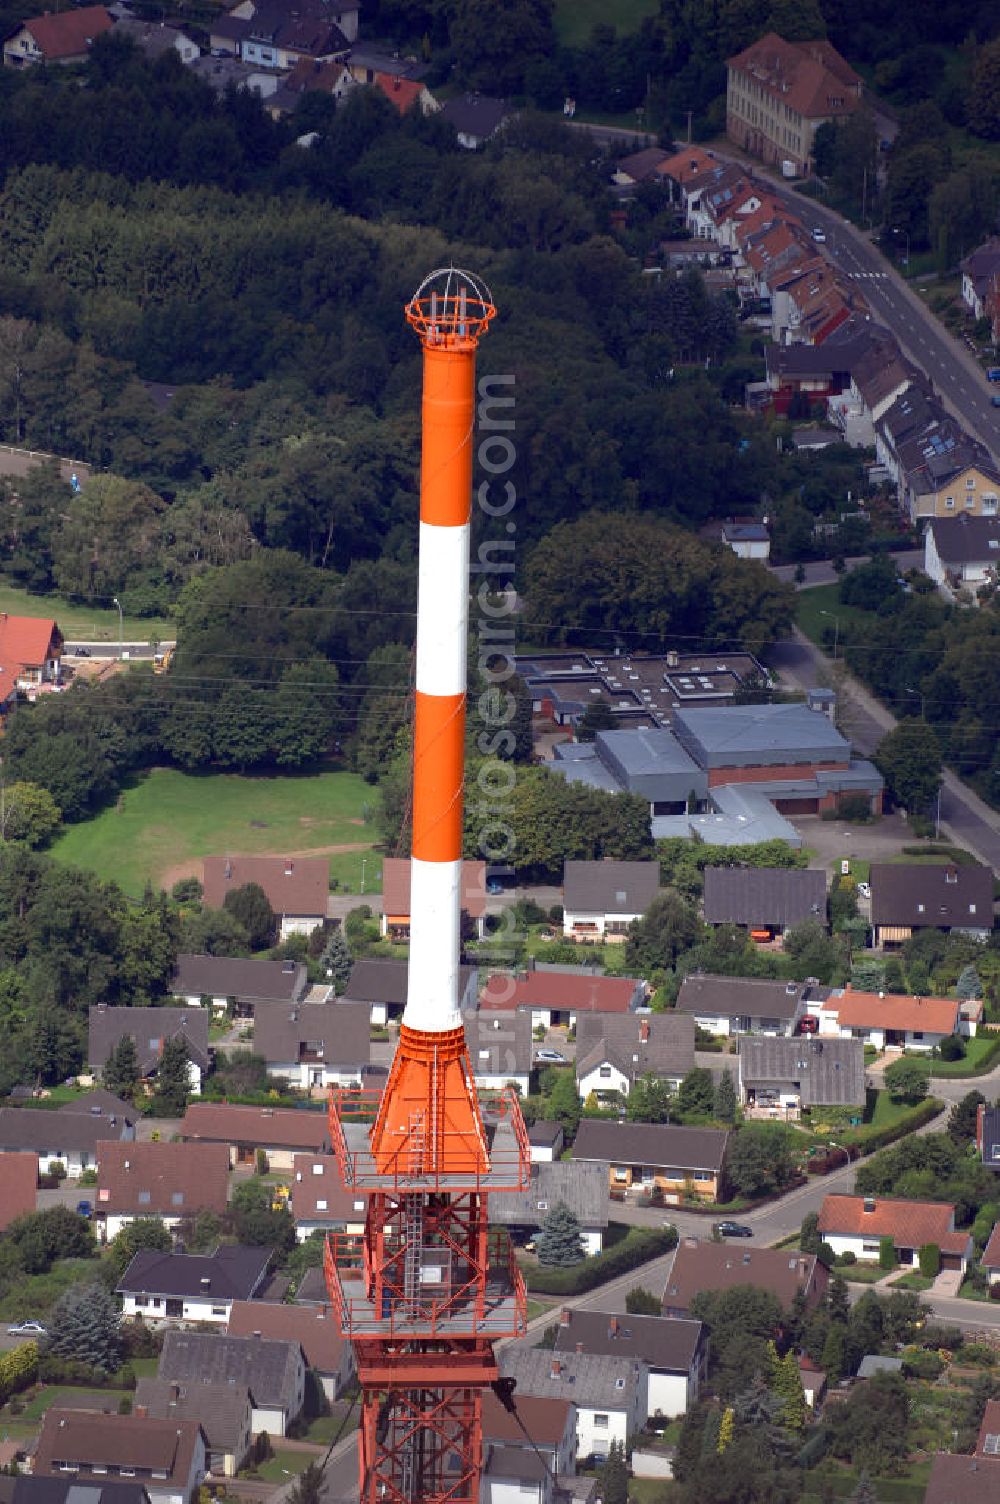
column 779, row 93
column 857, row 1224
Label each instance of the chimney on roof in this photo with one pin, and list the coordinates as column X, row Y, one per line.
column 644, row 1031
column 613, row 1327
column 206, row 1282
column 579, row 1347
column 555, row 1369
column 289, row 867
column 140, row 1412
column 228, row 870
column 565, row 1316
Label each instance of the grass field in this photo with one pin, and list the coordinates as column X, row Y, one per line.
column 812, row 603
column 980, row 1056
column 285, row 1465
column 92, row 623
column 576, row 19
column 168, row 821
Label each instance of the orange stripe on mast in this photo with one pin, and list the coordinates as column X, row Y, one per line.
column 438, row 766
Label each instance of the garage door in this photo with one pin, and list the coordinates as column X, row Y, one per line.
column 797, row 806
column 951, row 1261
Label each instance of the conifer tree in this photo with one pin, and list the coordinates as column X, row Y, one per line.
column 559, row 1241
column 172, row 1080
column 336, row 960
column 613, row 1476
column 726, row 1429
column 121, row 1069
column 84, row 1325
column 725, row 1098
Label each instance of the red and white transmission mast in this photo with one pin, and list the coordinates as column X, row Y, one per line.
column 430, row 1286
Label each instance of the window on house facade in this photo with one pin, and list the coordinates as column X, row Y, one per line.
column 949, row 502
column 600, row 1422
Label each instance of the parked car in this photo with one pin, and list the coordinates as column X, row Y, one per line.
column 82, row 653
column 26, row 1329
column 494, row 886
column 819, row 235
column 85, row 1209
column 995, row 400
column 552, row 1057
column 864, row 890
column 733, row 1230
column 808, row 1024
column 993, row 374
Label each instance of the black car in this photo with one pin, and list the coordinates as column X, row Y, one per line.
column 82, row 652
column 733, row 1230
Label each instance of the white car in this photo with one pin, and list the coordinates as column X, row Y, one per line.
column 864, row 890
column 819, row 235
column 552, row 1057
column 26, row 1329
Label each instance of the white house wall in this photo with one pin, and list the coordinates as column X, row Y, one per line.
column 668, row 1394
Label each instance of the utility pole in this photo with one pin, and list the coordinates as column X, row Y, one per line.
column 121, row 628
column 690, row 113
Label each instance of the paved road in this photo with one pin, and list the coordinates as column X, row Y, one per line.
column 964, row 817
column 104, row 648
column 822, row 572
column 620, row 137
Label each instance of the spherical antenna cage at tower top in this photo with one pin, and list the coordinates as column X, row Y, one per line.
column 451, row 307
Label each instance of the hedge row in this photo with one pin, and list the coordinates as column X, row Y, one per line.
column 871, row 1139
column 638, row 1247
column 18, row 1369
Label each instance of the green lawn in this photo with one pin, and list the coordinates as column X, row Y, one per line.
column 907, row 1489
column 76, row 1398
column 980, row 1056
column 93, row 623
column 168, row 821
column 810, row 605
column 284, row 1465
column 34, row 1295
column 912, row 1281
column 576, row 19
column 860, row 1274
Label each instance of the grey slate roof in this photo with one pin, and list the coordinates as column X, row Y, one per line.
column 237, row 976
column 268, row 1368
column 665, row 1344
column 611, row 887
column 740, row 736
column 990, row 1137
column 742, row 997
column 31, row 1489
column 499, row 1042
column 100, row 1103
column 764, row 895
column 952, row 897
column 222, row 1409
column 666, row 1050
column 658, row 1144
column 966, row 540
column 230, row 1273
column 584, row 1378
column 583, row 1187
column 475, row 114
column 873, row 1363
column 150, row 1028
column 829, row 1072
column 338, row 1033
column 382, row 980
column 53, row 1133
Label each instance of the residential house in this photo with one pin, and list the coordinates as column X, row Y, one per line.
column 557, row 997
column 640, row 167
column 150, row 1029
column 990, row 1260
column 582, row 1186
column 988, row 1135
column 699, row 1266
column 18, row 1186
column 814, row 1382
column 70, row 1138
column 297, row 888
column 309, row 76
column 314, row 1328
column 614, row 1051
column 155, row 38
column 192, row 1286
column 396, row 896
column 748, row 540
column 938, row 468
column 64, row 37
column 909, row 896
column 879, row 377
column 405, row 94
column 268, row 35
column 500, row 1049
column 766, row 900
column 170, row 1181
column 281, row 1132
column 545, row 1141
column 383, row 984
column 102, row 1103
column 655, row 1157
column 313, row 1046
column 958, row 1479
column 674, row 1352
column 237, row 982
column 745, row 1005
column 886, row 1019
column 601, row 899
column 988, row 1441
column 167, row 1457
column 962, row 552
column 544, row 1428
column 222, row 1410
column 820, row 373
column 978, row 269
column 319, row 1201
column 857, row 1224
column 223, row 73
column 366, row 63
column 609, row 1393
column 783, row 1078
column 273, row 1371
column 476, row 118
column 686, row 166
column 25, row 1489
column 779, row 93
column 31, row 646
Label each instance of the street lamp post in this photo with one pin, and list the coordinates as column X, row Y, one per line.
column 906, row 263
column 846, row 1152
column 923, row 700
column 121, row 627
column 364, row 864
column 836, row 631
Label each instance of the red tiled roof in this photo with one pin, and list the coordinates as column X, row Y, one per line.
column 690, row 162
column 18, row 1186
column 402, row 92
column 720, row 1266
column 161, row 1180
column 866, row 1010
column 560, row 990
column 28, row 641
column 69, row 33
column 990, row 1427
column 544, row 1419
column 294, row 885
column 808, row 77
column 314, row 1328
column 991, row 1253
column 910, row 1224
column 396, row 887
column 258, row 1127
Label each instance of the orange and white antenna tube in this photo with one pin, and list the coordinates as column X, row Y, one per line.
column 429, row 1115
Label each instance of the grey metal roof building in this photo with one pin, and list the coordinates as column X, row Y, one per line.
column 609, row 887
column 824, row 1072
column 653, row 764
column 268, row 1368
column 772, row 896
column 747, row 736
column 583, row 1187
